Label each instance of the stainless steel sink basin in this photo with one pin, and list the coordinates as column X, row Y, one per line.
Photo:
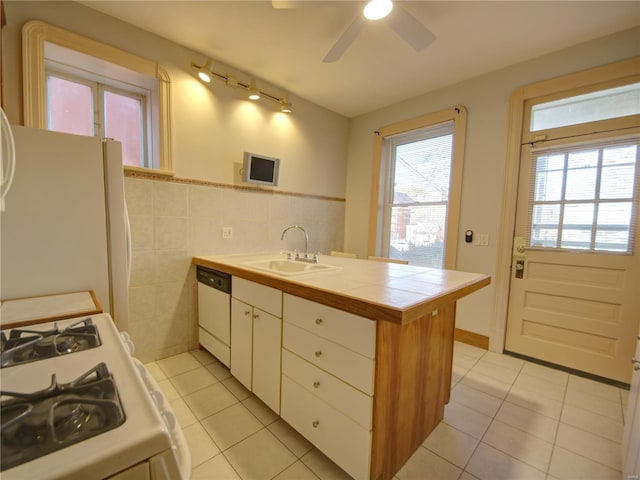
column 289, row 267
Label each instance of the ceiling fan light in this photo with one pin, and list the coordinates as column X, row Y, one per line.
column 377, row 9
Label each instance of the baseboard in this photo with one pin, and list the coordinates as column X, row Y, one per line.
column 471, row 338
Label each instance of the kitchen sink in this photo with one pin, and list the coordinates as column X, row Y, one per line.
column 289, row 267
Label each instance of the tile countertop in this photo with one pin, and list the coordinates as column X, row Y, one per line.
column 376, row 290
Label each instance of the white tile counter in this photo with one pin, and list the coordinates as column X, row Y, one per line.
column 376, row 290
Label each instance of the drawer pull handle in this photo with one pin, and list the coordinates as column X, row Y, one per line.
column 316, row 384
column 318, row 353
column 256, row 316
column 247, row 312
column 318, row 321
column 315, row 423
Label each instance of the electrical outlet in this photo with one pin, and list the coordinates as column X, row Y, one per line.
column 227, row 232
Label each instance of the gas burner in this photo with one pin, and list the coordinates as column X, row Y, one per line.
column 26, row 345
column 37, row 423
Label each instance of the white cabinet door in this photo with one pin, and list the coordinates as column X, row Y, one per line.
column 241, row 341
column 267, row 335
column 256, row 342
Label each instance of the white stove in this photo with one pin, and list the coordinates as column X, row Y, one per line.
column 137, row 438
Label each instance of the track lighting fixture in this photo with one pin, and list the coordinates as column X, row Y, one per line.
column 377, row 9
column 206, row 74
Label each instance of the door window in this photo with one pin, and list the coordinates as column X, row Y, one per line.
column 584, row 198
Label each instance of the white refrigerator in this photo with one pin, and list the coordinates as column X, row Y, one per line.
column 64, row 227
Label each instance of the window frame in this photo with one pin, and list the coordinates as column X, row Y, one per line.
column 35, row 34
column 458, row 115
column 619, row 123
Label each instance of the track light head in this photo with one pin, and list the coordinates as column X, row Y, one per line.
column 285, row 104
column 285, row 107
column 254, row 94
column 204, row 71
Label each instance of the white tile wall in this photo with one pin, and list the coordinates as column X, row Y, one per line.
column 171, row 221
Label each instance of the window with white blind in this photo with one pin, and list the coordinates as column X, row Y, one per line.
column 585, row 197
column 417, row 197
column 416, row 187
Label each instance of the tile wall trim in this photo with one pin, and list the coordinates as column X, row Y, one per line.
column 191, row 181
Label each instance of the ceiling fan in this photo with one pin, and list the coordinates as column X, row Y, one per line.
column 402, row 22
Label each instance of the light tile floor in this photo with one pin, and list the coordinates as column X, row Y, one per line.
column 507, row 420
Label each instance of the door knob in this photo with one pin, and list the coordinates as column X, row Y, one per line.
column 636, row 364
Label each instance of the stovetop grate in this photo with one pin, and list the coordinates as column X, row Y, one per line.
column 28, row 345
column 37, row 423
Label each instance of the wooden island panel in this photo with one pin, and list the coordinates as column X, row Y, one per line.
column 412, row 386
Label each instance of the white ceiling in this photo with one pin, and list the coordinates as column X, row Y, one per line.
column 286, row 46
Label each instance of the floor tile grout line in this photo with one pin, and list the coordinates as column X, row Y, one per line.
column 493, row 419
column 263, row 427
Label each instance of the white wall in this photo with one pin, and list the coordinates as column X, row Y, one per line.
column 173, row 220
column 486, row 99
column 212, row 125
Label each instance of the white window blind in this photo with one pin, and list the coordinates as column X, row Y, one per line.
column 584, row 198
column 418, row 197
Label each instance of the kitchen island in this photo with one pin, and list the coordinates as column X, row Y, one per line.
column 371, row 425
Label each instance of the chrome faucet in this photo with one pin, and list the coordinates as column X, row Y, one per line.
column 306, row 258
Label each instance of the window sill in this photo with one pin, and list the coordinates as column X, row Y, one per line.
column 149, row 171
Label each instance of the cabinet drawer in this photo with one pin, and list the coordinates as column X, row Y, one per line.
column 353, row 368
column 214, row 346
column 336, row 435
column 351, row 402
column 265, row 298
column 353, row 332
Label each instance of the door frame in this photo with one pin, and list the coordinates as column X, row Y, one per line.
column 516, row 115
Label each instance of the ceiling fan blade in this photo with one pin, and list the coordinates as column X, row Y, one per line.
column 409, row 28
column 345, row 40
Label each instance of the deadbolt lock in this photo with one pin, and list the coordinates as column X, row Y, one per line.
column 520, row 268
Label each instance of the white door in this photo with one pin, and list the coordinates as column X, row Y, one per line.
column 574, row 298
